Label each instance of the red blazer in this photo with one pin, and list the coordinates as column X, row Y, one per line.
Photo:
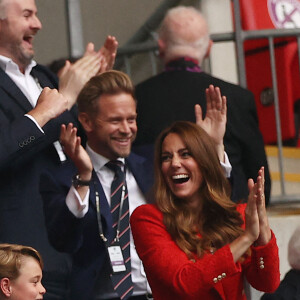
column 214, row 276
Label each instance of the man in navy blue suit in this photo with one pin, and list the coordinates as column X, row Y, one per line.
column 29, row 131
column 75, row 223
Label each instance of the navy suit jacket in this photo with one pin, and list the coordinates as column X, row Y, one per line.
column 80, row 236
column 24, row 152
column 171, row 96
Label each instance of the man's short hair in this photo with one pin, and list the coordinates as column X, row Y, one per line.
column 110, row 83
column 185, row 32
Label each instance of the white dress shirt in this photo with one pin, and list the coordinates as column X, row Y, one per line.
column 25, row 82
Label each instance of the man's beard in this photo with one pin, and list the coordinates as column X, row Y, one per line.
column 24, row 57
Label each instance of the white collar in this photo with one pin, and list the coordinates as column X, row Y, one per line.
column 7, row 64
column 98, row 160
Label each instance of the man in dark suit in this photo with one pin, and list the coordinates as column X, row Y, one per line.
column 171, row 96
column 29, row 131
column 76, row 222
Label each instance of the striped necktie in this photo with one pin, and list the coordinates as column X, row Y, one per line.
column 121, row 282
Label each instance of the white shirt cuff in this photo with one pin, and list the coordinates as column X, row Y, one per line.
column 35, row 122
column 76, row 205
column 226, row 165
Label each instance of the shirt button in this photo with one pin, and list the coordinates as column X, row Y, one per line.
column 215, row 280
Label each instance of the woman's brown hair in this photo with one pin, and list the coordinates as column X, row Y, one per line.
column 217, row 220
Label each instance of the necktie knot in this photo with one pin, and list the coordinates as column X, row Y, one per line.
column 116, row 166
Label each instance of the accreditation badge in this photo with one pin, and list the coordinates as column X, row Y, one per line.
column 116, row 258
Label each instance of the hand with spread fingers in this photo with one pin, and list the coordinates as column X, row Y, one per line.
column 107, row 52
column 215, row 119
column 72, row 147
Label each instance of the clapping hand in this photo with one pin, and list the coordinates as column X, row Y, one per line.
column 257, row 224
column 74, row 76
column 107, row 52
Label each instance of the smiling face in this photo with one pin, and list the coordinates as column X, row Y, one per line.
column 28, row 286
column 17, row 31
column 180, row 170
column 113, row 130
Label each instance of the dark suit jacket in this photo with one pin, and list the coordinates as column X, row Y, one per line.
column 289, row 288
column 24, row 152
column 80, row 237
column 171, row 96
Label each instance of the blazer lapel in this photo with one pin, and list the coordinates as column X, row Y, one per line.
column 41, row 78
column 142, row 172
column 12, row 89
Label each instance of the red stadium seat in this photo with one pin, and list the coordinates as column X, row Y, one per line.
column 270, row 14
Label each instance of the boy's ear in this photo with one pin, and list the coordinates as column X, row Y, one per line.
column 5, row 286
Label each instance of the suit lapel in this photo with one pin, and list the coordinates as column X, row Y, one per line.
column 42, row 78
column 142, row 172
column 12, row 89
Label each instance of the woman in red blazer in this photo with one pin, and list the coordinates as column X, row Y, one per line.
column 194, row 242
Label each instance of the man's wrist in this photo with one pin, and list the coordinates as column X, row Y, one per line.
column 78, row 181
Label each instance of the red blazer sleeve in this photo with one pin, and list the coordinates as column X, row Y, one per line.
column 262, row 267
